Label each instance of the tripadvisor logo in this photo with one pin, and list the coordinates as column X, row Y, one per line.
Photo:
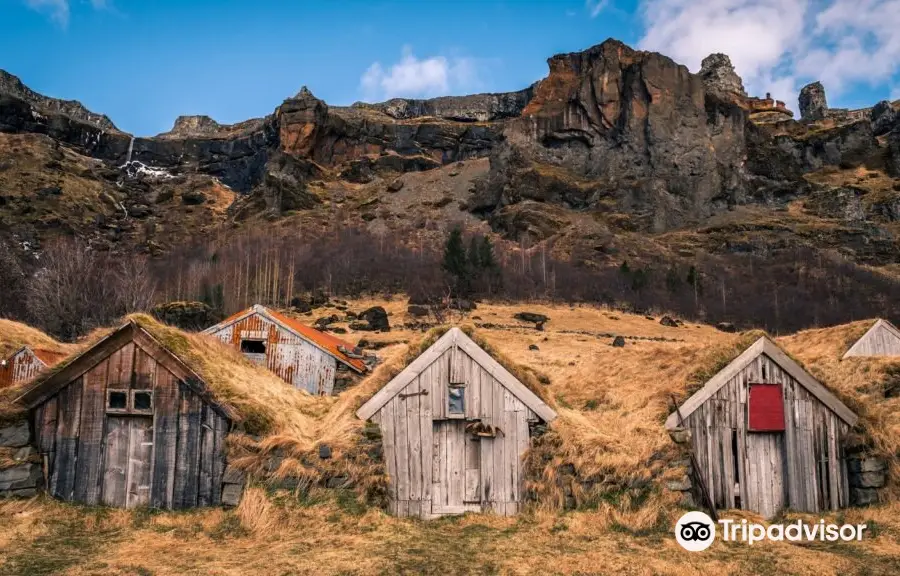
column 695, row 531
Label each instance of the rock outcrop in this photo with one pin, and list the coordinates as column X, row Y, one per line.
column 813, row 104
column 11, row 85
column 718, row 75
column 472, row 108
column 637, row 126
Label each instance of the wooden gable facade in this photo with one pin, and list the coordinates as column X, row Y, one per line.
column 128, row 424
column 298, row 354
column 768, row 436
column 24, row 364
column 882, row 339
column 455, row 425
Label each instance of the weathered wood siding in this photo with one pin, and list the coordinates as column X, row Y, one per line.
column 21, row 366
column 292, row 358
column 802, row 468
column 879, row 341
column 172, row 458
column 423, row 441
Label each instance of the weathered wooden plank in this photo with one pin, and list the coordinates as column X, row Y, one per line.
column 402, row 446
column 65, row 469
column 388, row 424
column 165, row 438
column 187, row 460
column 220, row 431
column 91, row 439
column 140, row 461
column 414, row 437
column 115, row 473
column 207, row 454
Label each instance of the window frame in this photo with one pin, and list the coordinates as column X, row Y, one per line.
column 263, row 341
column 135, row 410
column 110, row 392
column 462, row 388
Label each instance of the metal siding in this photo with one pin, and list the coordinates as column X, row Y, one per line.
column 290, row 357
column 22, row 366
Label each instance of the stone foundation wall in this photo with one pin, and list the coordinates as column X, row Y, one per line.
column 21, row 475
column 867, row 476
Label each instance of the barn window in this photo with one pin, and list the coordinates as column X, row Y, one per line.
column 457, row 399
column 766, row 408
column 253, row 346
column 117, row 400
column 142, row 401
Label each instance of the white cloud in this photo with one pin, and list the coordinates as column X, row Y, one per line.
column 412, row 77
column 595, row 7
column 58, row 10
column 777, row 46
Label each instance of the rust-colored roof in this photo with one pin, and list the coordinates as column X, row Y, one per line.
column 324, row 341
column 48, row 357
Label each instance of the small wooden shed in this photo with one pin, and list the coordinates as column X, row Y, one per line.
column 768, row 436
column 455, row 425
column 129, row 423
column 882, row 339
column 307, row 358
column 26, row 363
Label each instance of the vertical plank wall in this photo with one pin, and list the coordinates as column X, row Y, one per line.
column 186, row 460
column 801, row 468
column 407, row 430
column 879, row 341
column 23, row 365
column 291, row 358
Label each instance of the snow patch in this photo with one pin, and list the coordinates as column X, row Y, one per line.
column 135, row 170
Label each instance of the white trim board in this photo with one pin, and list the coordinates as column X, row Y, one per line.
column 482, row 358
column 770, row 349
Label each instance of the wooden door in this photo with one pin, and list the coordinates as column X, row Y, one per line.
column 456, row 470
column 128, row 460
column 766, row 482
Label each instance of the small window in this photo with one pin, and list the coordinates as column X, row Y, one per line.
column 142, row 401
column 457, row 398
column 253, row 346
column 117, row 400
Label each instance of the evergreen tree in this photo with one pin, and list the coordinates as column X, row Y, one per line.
column 673, row 281
column 486, row 258
column 455, row 263
column 474, row 257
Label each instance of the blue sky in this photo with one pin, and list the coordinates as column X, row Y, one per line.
column 144, row 63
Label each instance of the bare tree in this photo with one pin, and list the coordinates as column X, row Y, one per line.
column 135, row 285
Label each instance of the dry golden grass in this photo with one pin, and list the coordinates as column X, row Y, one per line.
column 14, row 335
column 611, row 403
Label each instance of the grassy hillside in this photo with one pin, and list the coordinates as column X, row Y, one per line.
column 612, row 402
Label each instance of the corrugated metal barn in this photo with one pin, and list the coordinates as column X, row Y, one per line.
column 882, row 339
column 298, row 354
column 455, row 425
column 26, row 363
column 129, row 423
column 768, row 436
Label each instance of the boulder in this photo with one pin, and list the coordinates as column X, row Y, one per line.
column 863, row 496
column 377, row 318
column 395, row 186
column 462, row 304
column 618, row 342
column 186, row 315
column 726, row 327
column 533, row 347
column 868, row 479
column 867, row 464
column 233, row 475
column 680, row 435
column 231, row 494
column 681, row 485
column 15, row 435
column 668, row 321
column 417, row 311
column 893, row 164
column 324, row 451
column 20, row 477
column 300, row 305
column 323, row 322
column 531, row 317
column 718, row 75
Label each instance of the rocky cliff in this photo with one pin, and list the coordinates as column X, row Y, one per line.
column 616, row 152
